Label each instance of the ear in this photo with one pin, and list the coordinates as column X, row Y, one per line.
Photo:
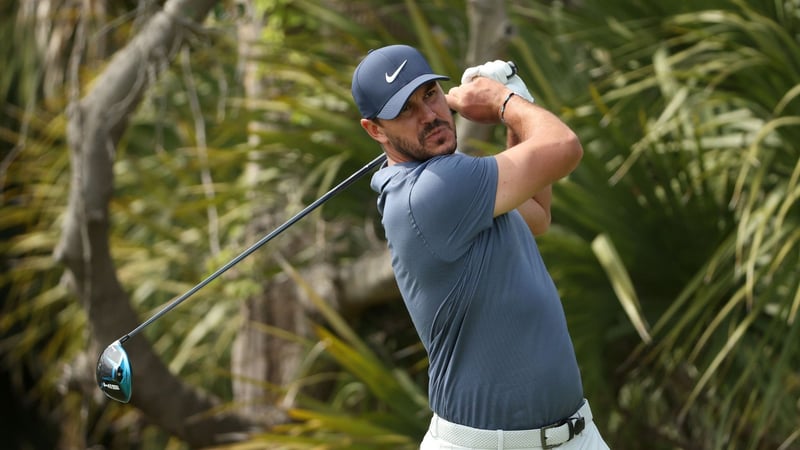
column 374, row 130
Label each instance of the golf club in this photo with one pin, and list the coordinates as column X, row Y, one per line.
column 113, row 374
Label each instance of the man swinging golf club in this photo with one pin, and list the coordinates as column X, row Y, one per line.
column 503, row 372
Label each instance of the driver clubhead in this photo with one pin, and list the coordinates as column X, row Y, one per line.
column 114, row 373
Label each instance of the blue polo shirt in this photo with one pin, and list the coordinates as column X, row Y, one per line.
column 479, row 295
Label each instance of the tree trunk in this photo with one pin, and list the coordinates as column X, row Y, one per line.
column 489, row 30
column 95, row 126
column 260, row 360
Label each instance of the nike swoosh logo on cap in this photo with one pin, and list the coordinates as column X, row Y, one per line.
column 390, row 78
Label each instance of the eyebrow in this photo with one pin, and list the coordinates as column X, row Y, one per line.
column 425, row 87
column 429, row 84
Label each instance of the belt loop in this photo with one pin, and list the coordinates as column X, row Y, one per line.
column 500, row 440
column 435, row 425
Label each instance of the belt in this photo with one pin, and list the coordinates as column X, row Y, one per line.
column 550, row 436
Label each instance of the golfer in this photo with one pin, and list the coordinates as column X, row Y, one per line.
column 503, row 372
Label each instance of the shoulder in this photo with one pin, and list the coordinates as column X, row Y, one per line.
column 453, row 184
column 457, row 169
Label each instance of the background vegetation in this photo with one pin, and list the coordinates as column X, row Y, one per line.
column 676, row 243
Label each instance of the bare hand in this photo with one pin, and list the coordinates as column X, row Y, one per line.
column 479, row 100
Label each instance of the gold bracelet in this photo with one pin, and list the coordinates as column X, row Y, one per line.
column 503, row 108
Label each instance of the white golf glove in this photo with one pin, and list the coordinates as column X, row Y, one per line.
column 502, row 72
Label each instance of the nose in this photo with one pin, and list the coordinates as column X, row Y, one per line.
column 427, row 113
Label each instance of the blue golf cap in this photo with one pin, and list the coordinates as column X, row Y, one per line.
column 386, row 78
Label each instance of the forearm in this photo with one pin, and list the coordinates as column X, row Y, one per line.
column 545, row 149
column 535, row 211
column 534, row 126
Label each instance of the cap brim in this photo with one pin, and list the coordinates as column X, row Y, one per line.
column 395, row 104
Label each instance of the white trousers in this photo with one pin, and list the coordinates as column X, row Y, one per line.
column 588, row 439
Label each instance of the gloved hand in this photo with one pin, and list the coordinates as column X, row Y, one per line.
column 502, row 72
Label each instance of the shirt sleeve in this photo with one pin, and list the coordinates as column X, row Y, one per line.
column 453, row 201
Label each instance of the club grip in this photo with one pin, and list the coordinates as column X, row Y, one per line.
column 513, row 68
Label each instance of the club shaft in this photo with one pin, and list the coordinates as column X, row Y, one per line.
column 325, row 197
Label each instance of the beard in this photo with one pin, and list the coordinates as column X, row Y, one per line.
column 416, row 150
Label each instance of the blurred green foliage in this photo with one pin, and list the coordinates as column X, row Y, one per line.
column 675, row 244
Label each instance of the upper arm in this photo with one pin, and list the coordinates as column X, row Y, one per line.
column 548, row 150
column 451, row 203
column 536, row 211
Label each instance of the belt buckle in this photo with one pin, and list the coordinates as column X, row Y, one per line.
column 574, row 430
